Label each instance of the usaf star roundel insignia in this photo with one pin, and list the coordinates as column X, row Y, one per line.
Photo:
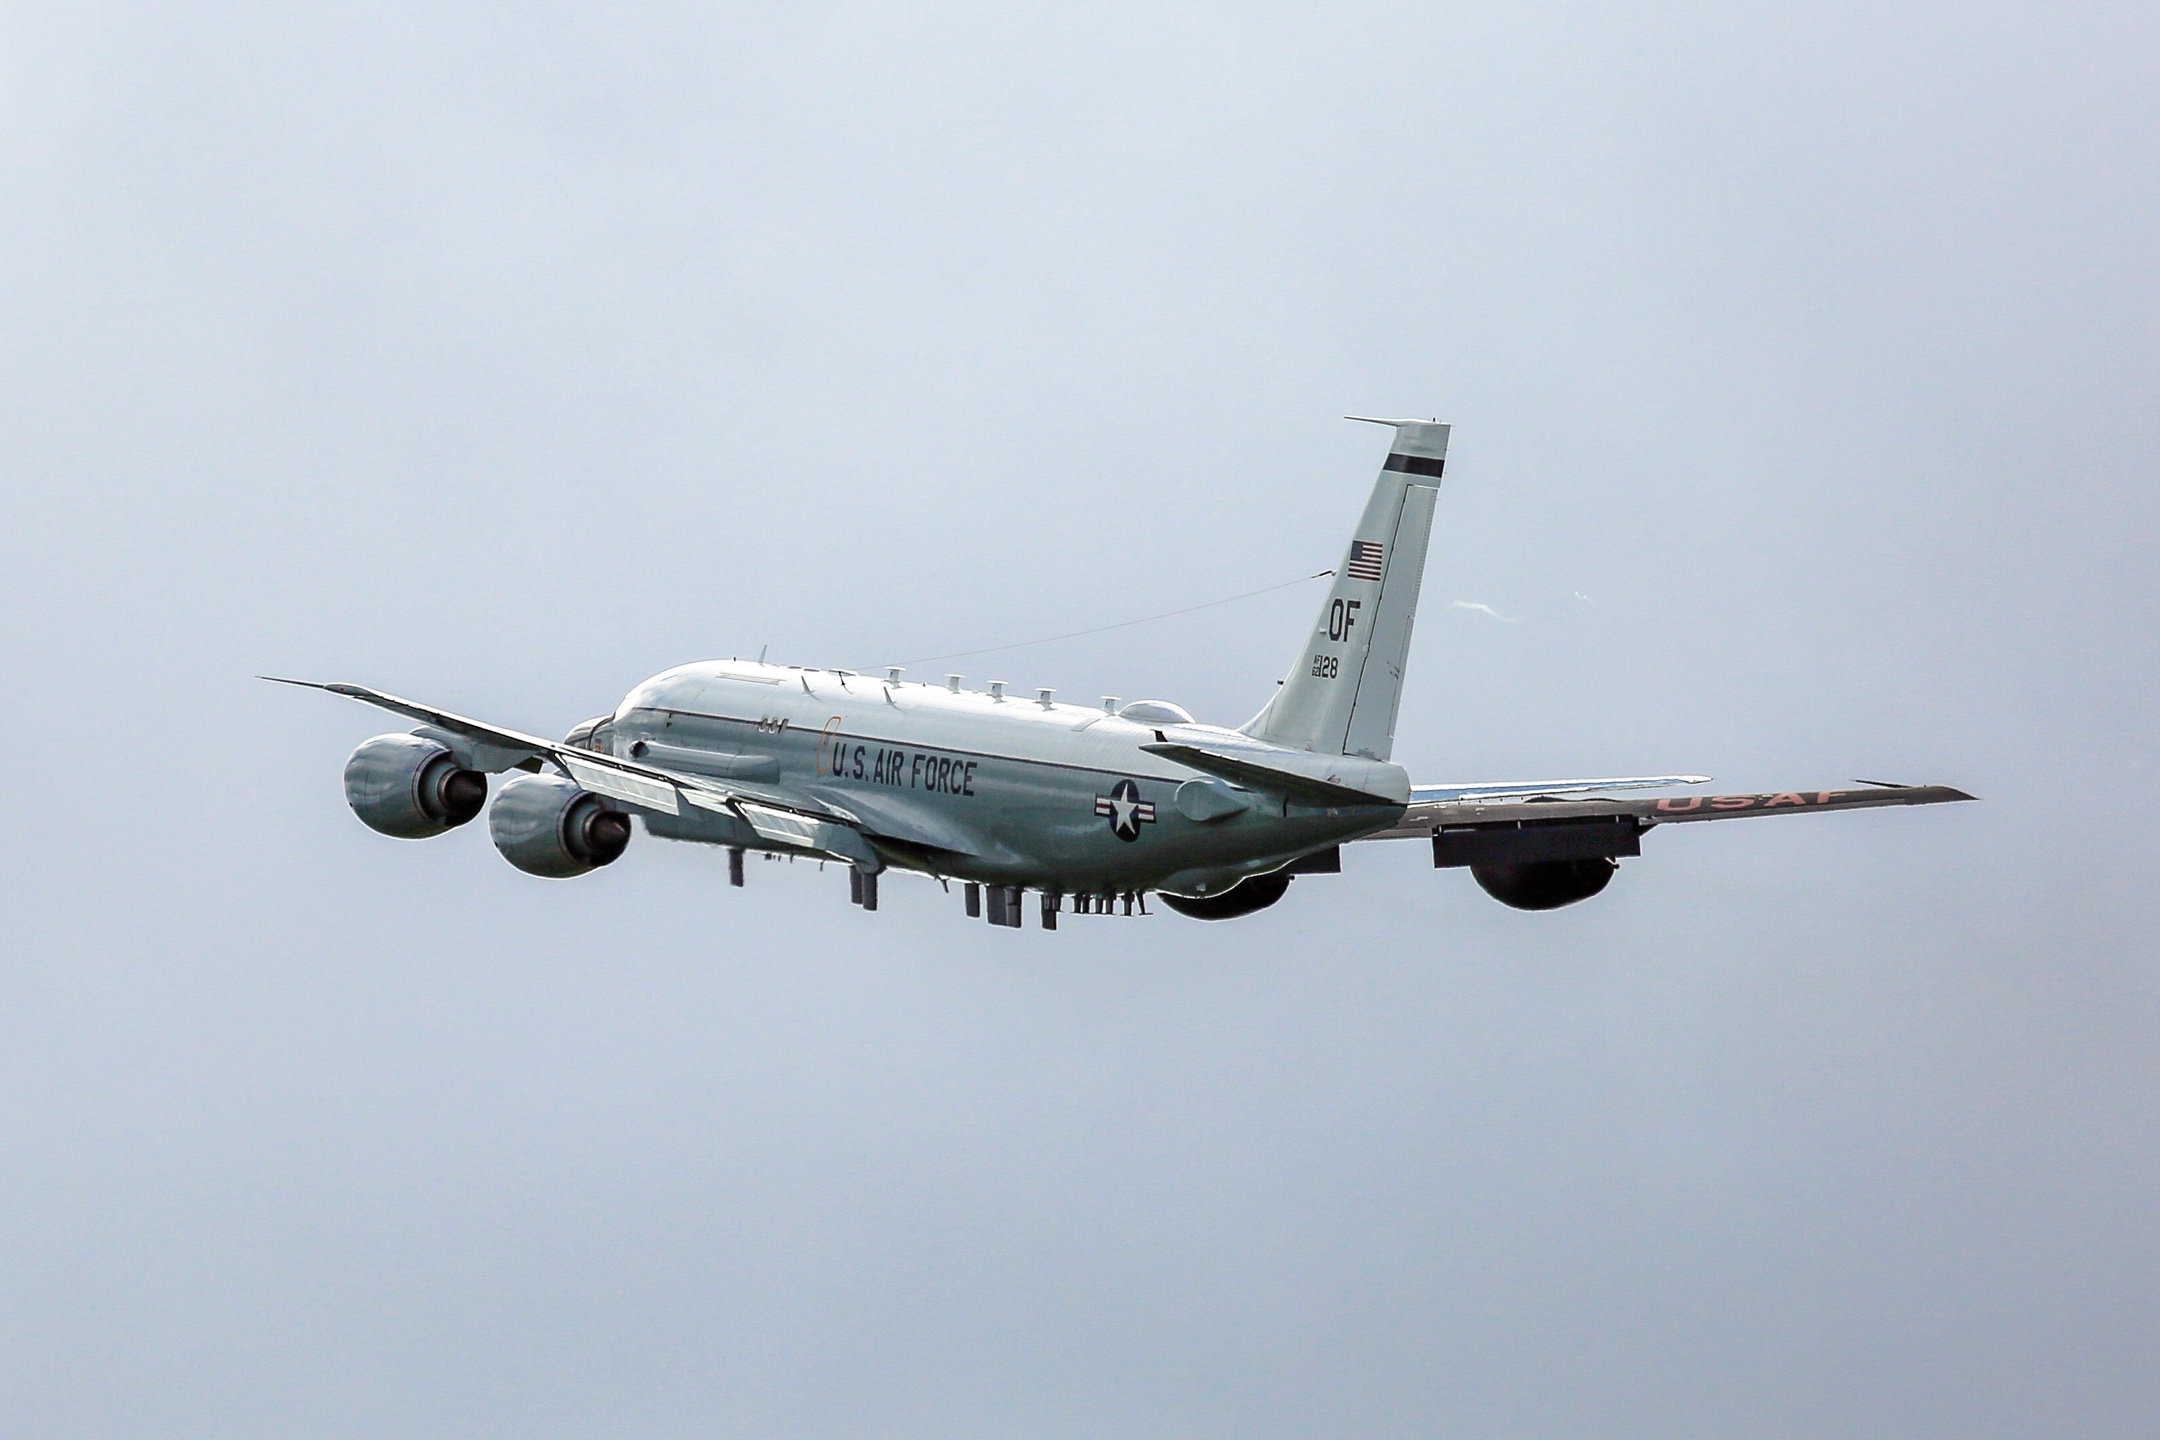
column 1127, row 812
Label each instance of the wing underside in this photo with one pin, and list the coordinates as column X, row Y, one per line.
column 1496, row 829
column 778, row 816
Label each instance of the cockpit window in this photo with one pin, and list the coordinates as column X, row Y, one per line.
column 591, row 734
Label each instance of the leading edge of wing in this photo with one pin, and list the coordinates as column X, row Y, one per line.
column 1501, row 790
column 494, row 735
column 647, row 786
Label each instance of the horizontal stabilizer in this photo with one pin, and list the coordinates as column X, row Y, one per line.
column 1245, row 771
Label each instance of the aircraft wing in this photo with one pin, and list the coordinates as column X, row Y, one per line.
column 1467, row 819
column 776, row 814
column 1527, row 789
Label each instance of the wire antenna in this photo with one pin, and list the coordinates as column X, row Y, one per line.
column 1122, row 624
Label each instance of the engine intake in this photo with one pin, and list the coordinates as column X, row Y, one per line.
column 410, row 787
column 548, row 826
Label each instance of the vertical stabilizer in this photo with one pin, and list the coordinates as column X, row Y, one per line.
column 1343, row 691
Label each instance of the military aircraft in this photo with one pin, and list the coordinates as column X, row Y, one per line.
column 1091, row 809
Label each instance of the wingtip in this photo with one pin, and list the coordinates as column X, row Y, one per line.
column 350, row 692
column 1945, row 794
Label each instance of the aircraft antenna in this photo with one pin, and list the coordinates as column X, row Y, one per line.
column 1122, row 624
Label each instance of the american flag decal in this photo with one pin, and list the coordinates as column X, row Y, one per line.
column 1366, row 560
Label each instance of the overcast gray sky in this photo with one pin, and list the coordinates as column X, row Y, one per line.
column 1803, row 366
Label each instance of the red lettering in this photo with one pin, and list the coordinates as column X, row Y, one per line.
column 1826, row 796
column 1785, row 799
column 1732, row 802
column 1679, row 805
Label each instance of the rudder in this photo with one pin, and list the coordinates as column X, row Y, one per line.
column 1343, row 693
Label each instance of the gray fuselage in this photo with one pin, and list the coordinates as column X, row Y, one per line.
column 998, row 789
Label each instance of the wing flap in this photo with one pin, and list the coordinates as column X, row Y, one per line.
column 885, row 817
column 630, row 788
column 786, row 827
column 1525, row 789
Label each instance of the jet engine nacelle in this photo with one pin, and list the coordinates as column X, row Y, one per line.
column 1253, row 893
column 546, row 825
column 411, row 787
column 1545, row 884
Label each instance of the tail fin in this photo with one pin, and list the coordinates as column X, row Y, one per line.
column 1343, row 692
